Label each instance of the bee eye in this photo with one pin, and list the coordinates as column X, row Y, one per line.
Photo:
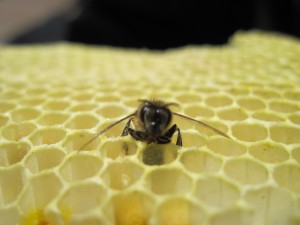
column 157, row 115
column 165, row 116
column 144, row 110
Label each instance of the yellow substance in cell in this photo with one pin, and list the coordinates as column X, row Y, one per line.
column 54, row 98
column 35, row 217
column 131, row 210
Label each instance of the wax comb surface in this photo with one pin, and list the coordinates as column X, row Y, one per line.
column 54, row 98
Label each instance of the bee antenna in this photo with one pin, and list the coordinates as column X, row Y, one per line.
column 203, row 124
column 106, row 129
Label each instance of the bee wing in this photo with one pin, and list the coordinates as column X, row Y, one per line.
column 106, row 129
column 203, row 124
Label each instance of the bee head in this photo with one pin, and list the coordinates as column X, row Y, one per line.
column 156, row 117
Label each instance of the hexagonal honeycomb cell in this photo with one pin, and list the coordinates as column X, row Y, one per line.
column 121, row 175
column 178, row 211
column 56, row 169
column 132, row 207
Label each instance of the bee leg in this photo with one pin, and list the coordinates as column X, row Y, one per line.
column 125, row 130
column 171, row 132
column 179, row 139
column 125, row 133
column 162, row 140
column 166, row 138
column 138, row 135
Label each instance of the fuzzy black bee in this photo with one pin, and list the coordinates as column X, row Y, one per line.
column 152, row 124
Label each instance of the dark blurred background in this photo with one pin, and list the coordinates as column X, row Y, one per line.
column 155, row 24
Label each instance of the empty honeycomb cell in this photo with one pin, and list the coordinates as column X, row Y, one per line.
column 246, row 171
column 32, row 101
column 271, row 205
column 226, row 147
column 251, row 103
column 83, row 107
column 132, row 207
column 121, row 175
column 34, row 91
column 43, row 158
column 83, row 97
column 47, row 136
column 17, row 84
column 129, row 92
column 108, row 98
column 202, row 162
column 284, row 107
column 292, row 95
column 216, row 192
column 233, row 114
column 294, row 118
column 13, row 153
column 288, row 176
column 59, row 93
column 207, row 90
column 238, row 91
column 77, row 141
column 105, row 89
column 49, row 119
column 6, row 106
column 164, row 181
column 249, row 132
column 218, row 101
column 118, row 148
column 17, row 131
column 197, row 110
column 269, row 152
column 82, row 197
column 11, row 184
column 223, row 82
column 267, row 116
column 81, row 86
column 187, row 98
column 112, row 111
column 283, row 85
column 154, row 95
column 11, row 95
column 285, row 134
column 39, row 191
column 24, row 114
column 131, row 103
column 183, row 124
column 3, row 120
column 235, row 215
column 221, row 126
column 296, row 154
column 266, row 94
column 56, row 105
column 9, row 215
column 179, row 211
column 82, row 121
column 190, row 139
column 154, row 154
column 79, row 167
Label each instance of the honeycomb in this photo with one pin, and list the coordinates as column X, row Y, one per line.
column 54, row 98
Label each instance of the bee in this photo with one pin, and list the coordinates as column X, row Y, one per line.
column 152, row 122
